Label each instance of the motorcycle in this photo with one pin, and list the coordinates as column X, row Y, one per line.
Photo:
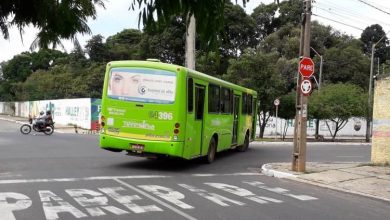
column 47, row 128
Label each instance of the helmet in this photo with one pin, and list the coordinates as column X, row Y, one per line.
column 41, row 113
column 48, row 112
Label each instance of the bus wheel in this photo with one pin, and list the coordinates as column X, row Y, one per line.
column 245, row 146
column 211, row 152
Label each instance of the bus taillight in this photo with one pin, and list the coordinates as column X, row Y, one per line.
column 176, row 131
column 102, row 120
column 177, row 125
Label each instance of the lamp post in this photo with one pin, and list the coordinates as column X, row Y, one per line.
column 319, row 87
column 321, row 61
column 368, row 126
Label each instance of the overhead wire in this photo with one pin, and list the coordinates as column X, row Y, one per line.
column 349, row 11
column 343, row 13
column 339, row 22
column 373, row 6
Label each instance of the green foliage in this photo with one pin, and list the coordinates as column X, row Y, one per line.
column 372, row 35
column 18, row 69
column 167, row 45
column 338, row 103
column 347, row 64
column 55, row 19
column 124, row 45
column 256, row 70
column 209, row 15
column 96, row 49
column 287, row 105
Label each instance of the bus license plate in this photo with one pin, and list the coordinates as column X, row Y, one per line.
column 138, row 147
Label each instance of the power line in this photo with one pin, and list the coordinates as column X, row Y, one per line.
column 350, row 12
column 373, row 6
column 345, row 16
column 339, row 22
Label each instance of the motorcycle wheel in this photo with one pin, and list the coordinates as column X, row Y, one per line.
column 48, row 130
column 25, row 129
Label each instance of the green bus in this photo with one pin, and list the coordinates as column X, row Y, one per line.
column 155, row 109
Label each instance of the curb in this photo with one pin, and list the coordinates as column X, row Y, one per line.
column 267, row 170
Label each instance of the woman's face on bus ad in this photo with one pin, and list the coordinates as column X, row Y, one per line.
column 123, row 84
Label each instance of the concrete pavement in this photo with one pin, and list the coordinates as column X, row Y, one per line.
column 357, row 178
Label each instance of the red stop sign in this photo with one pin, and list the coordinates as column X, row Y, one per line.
column 306, row 67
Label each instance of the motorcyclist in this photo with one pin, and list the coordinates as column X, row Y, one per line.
column 44, row 119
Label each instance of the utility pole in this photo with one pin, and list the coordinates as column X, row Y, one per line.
column 190, row 44
column 369, row 116
column 300, row 130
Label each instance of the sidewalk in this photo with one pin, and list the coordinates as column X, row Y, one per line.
column 357, row 178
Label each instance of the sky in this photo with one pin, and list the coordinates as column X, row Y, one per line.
column 347, row 16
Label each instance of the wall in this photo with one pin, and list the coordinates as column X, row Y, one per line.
column 356, row 127
column 82, row 112
column 380, row 150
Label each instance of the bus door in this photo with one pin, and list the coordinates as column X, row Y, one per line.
column 236, row 106
column 198, row 123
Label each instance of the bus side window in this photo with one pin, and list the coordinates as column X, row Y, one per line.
column 214, row 98
column 190, row 94
column 244, row 104
column 225, row 101
column 249, row 105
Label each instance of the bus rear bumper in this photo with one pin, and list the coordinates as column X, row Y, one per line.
column 137, row 147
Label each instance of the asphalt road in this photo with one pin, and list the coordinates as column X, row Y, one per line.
column 66, row 176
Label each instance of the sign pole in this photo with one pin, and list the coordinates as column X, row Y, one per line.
column 299, row 154
column 276, row 103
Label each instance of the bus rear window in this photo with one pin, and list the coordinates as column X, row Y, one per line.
column 142, row 85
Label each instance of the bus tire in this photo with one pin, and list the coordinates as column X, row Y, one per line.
column 210, row 157
column 244, row 147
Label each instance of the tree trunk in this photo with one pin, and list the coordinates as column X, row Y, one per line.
column 317, row 128
column 263, row 123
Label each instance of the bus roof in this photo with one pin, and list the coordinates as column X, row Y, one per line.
column 174, row 67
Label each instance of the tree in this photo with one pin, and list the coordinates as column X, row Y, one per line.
column 265, row 20
column 168, row 44
column 124, row 45
column 371, row 35
column 55, row 19
column 287, row 109
column 209, row 15
column 18, row 68
column 346, row 64
column 238, row 31
column 338, row 103
column 257, row 71
column 96, row 49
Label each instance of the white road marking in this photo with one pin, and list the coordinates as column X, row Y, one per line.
column 93, row 202
column 185, row 215
column 14, row 181
column 243, row 192
column 79, row 179
column 127, row 200
column 214, row 197
column 168, row 194
column 280, row 191
column 51, row 209
column 7, row 207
